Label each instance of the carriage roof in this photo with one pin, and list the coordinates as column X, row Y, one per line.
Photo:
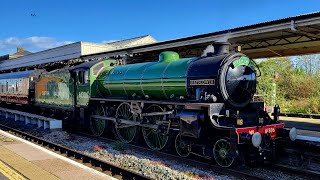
column 21, row 74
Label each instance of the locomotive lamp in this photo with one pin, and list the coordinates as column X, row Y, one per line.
column 238, row 49
column 261, row 120
column 256, row 139
column 240, row 122
column 276, row 113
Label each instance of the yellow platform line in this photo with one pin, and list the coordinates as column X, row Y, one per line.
column 9, row 172
column 23, row 166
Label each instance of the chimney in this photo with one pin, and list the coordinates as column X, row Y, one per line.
column 220, row 48
column 20, row 50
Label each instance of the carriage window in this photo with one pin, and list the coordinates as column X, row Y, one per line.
column 16, row 86
column 7, row 88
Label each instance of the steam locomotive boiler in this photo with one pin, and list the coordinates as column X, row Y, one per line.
column 219, row 77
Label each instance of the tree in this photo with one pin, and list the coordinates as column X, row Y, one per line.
column 271, row 70
column 310, row 64
column 295, row 80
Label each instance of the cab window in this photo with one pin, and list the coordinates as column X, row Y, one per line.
column 83, row 77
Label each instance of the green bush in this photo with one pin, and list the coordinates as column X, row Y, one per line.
column 290, row 85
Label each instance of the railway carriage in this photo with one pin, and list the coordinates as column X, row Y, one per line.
column 203, row 104
column 18, row 87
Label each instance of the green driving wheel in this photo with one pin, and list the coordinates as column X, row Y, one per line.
column 125, row 132
column 98, row 126
column 221, row 152
column 183, row 148
column 154, row 138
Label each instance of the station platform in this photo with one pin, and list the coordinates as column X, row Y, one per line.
column 308, row 128
column 301, row 123
column 20, row 159
column 306, row 135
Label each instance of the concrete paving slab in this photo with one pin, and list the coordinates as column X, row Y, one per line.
column 23, row 166
column 28, row 152
column 78, row 174
column 36, row 162
column 55, row 165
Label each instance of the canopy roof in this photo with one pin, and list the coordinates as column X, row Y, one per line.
column 289, row 36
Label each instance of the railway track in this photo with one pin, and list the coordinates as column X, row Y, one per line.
column 207, row 164
column 289, row 169
column 105, row 167
column 118, row 172
column 127, row 174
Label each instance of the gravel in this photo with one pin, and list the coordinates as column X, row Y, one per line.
column 271, row 174
column 143, row 163
column 149, row 165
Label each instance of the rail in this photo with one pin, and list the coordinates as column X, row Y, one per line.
column 89, row 161
column 128, row 174
column 236, row 172
column 200, row 164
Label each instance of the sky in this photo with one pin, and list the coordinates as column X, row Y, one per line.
column 41, row 24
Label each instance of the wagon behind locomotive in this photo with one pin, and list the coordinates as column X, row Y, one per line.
column 18, row 87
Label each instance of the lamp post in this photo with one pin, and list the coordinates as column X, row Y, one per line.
column 274, row 85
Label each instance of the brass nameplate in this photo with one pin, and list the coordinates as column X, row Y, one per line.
column 202, row 82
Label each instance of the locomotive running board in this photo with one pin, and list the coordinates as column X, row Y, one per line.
column 184, row 103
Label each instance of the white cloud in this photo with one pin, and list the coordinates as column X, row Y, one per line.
column 33, row 44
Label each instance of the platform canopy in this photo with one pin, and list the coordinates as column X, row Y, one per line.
column 297, row 35
column 67, row 54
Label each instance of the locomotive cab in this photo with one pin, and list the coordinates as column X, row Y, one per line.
column 86, row 79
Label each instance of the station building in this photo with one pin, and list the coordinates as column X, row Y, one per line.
column 20, row 52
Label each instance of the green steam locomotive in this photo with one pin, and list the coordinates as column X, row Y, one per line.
column 202, row 105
